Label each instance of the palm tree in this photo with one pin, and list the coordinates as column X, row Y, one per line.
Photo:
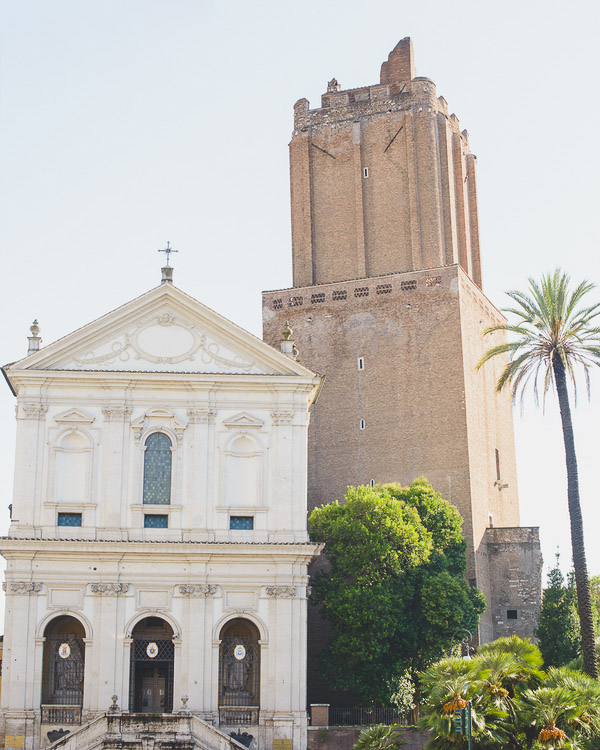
column 552, row 335
column 379, row 738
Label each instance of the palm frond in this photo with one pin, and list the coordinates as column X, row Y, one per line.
column 549, row 322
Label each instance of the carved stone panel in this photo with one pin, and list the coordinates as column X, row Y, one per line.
column 280, row 591
column 110, row 589
column 22, row 587
column 197, row 589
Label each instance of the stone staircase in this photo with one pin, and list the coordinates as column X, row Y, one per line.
column 116, row 731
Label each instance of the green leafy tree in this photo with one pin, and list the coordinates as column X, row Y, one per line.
column 395, row 591
column 553, row 333
column 558, row 631
column 440, row 600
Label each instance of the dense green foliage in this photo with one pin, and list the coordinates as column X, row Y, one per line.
column 552, row 333
column 379, row 738
column 514, row 703
column 395, row 590
column 558, row 630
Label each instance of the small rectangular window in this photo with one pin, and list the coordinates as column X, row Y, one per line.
column 497, row 464
column 512, row 614
column 69, row 519
column 365, row 171
column 362, row 424
column 361, row 363
column 241, row 522
column 154, row 521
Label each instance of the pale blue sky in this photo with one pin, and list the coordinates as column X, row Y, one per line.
column 127, row 123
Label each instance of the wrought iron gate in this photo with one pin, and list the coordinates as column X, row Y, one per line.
column 239, row 672
column 150, row 652
column 62, row 678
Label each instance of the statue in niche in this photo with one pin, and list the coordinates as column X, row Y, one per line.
column 236, row 675
column 68, row 672
column 238, row 662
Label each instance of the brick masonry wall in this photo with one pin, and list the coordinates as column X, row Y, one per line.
column 426, row 410
column 415, row 207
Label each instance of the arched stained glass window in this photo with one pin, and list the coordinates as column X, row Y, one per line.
column 157, row 469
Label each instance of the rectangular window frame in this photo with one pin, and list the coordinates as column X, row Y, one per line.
column 164, row 516
column 238, row 518
column 63, row 515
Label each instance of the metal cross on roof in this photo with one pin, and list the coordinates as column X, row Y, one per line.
column 168, row 250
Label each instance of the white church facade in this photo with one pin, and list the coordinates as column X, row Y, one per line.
column 158, row 550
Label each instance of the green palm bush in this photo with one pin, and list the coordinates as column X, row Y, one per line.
column 379, row 738
column 514, row 703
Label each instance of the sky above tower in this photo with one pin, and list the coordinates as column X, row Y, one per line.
column 124, row 125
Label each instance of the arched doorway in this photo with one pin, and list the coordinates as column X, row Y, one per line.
column 63, row 670
column 152, row 661
column 239, row 673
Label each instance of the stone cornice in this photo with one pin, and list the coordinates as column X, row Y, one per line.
column 194, row 380
column 300, row 552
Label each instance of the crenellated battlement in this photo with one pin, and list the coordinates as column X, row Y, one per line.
column 399, row 89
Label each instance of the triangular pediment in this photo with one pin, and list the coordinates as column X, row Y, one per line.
column 164, row 330
column 74, row 416
column 244, row 419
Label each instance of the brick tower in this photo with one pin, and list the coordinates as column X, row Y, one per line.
column 387, row 303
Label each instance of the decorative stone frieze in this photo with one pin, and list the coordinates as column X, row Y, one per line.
column 112, row 589
column 198, row 589
column 116, row 413
column 32, row 411
column 22, row 587
column 282, row 417
column 201, row 416
column 281, row 591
